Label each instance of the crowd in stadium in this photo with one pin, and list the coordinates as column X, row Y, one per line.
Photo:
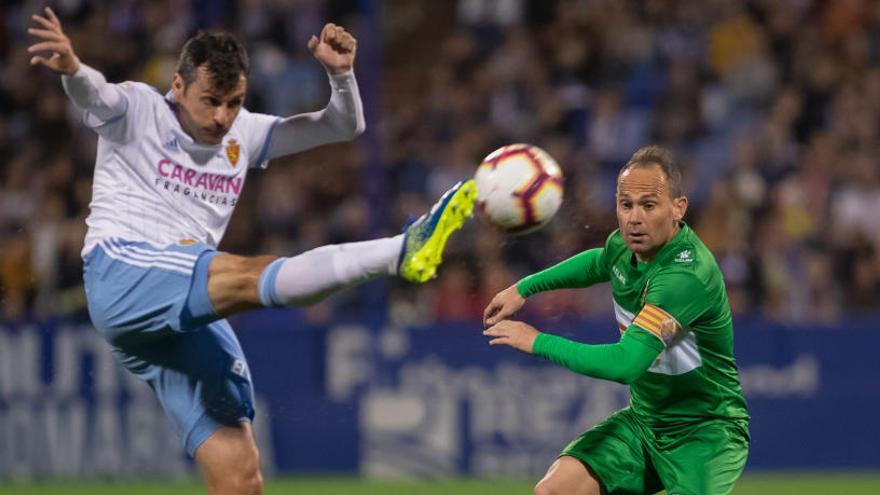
column 771, row 106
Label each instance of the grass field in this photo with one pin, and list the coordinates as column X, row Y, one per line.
column 755, row 484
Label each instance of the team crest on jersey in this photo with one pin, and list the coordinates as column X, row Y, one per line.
column 232, row 150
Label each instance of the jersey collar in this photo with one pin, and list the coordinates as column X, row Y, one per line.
column 669, row 246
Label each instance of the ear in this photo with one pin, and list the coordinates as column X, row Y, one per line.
column 177, row 86
column 679, row 208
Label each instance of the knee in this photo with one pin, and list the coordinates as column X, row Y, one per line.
column 545, row 488
column 230, row 461
column 250, row 483
column 245, row 477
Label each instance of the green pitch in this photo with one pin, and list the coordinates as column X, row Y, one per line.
column 776, row 484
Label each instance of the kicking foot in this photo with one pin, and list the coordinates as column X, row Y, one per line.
column 425, row 238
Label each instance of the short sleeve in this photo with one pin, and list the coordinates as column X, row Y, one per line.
column 137, row 99
column 256, row 129
column 673, row 302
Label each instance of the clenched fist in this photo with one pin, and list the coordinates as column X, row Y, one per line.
column 335, row 48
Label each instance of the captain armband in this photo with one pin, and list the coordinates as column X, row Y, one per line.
column 661, row 324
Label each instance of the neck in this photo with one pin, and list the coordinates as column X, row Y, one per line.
column 647, row 257
column 182, row 122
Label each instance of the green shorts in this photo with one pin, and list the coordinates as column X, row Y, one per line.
column 628, row 458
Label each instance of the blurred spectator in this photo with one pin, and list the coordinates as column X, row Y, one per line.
column 455, row 297
column 16, row 278
column 773, row 109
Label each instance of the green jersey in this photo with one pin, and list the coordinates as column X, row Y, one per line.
column 676, row 304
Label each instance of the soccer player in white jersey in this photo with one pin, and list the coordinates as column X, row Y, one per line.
column 168, row 174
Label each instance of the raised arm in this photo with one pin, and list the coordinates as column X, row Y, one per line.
column 581, row 270
column 85, row 86
column 343, row 118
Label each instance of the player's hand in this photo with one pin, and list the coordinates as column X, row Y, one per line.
column 516, row 334
column 335, row 48
column 504, row 304
column 52, row 39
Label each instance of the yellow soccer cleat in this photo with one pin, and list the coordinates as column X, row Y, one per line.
column 425, row 238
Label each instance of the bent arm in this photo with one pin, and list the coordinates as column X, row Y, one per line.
column 341, row 120
column 623, row 362
column 581, row 270
column 90, row 91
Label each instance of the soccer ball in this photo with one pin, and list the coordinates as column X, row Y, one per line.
column 519, row 188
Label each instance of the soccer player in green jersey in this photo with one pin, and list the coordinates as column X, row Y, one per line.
column 686, row 428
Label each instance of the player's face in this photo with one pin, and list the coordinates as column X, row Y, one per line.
column 647, row 214
column 205, row 113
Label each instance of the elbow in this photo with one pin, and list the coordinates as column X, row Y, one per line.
column 351, row 129
column 359, row 127
column 626, row 378
column 629, row 374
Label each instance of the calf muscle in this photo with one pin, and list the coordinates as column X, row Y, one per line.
column 233, row 282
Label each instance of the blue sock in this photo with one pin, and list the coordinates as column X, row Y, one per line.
column 266, row 285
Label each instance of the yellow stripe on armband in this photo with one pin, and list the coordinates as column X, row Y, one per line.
column 658, row 322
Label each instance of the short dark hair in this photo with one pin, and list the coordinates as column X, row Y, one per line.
column 225, row 58
column 660, row 156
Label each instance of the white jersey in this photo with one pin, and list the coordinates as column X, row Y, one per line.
column 154, row 184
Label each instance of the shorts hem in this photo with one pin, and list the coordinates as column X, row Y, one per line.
column 202, row 430
column 198, row 310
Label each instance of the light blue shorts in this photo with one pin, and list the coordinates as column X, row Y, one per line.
column 151, row 304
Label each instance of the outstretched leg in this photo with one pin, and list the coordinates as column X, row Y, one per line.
column 238, row 283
